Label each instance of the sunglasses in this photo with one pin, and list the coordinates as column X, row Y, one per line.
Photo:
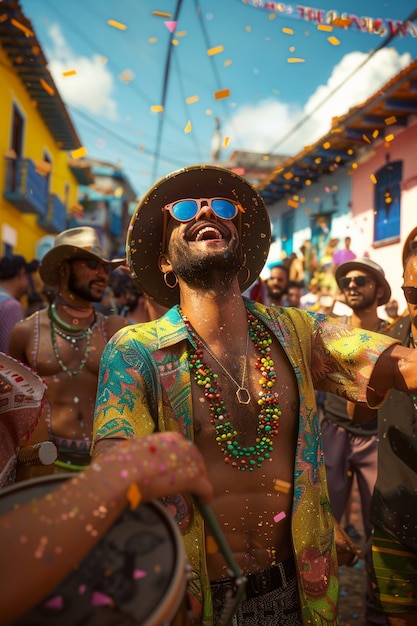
column 93, row 264
column 187, row 209
column 410, row 294
column 359, row 281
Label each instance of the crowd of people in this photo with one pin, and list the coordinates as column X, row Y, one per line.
column 299, row 404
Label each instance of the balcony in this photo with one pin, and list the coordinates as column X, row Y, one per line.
column 55, row 220
column 26, row 189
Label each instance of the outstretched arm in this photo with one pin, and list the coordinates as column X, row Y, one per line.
column 396, row 368
column 45, row 539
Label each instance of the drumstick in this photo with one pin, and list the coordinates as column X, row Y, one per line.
column 232, row 603
column 44, row 453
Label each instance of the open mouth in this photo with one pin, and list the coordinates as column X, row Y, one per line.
column 205, row 232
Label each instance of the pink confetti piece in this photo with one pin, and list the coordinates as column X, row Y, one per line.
column 55, row 603
column 100, row 599
column 279, row 517
column 171, row 26
column 139, row 573
column 82, row 589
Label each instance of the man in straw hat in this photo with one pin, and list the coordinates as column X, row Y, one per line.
column 394, row 501
column 238, row 378
column 136, row 471
column 350, row 442
column 64, row 344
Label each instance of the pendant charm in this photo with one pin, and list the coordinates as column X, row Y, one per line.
column 243, row 395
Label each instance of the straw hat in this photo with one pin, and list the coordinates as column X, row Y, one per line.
column 370, row 267
column 81, row 242
column 143, row 245
column 21, row 399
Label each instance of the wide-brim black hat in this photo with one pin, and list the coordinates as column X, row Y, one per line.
column 81, row 242
column 144, row 238
column 370, row 267
column 410, row 242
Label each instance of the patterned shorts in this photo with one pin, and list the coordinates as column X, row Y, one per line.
column 271, row 598
column 394, row 574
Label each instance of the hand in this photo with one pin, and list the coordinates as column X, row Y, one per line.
column 161, row 464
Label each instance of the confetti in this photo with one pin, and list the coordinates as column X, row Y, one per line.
column 226, row 142
column 55, row 603
column 295, row 60
column 100, row 599
column 341, row 22
column 222, row 93
column 134, row 496
column 50, row 90
column 211, row 545
column 22, row 27
column 212, row 51
column 333, row 40
column 139, row 573
column 293, row 204
column 157, row 108
column 282, row 485
column 188, row 127
column 389, row 138
column 192, row 99
column 325, row 27
column 171, row 26
column 79, row 152
column 69, row 73
column 279, row 517
column 390, row 120
column 366, row 138
column 116, row 24
column 161, row 14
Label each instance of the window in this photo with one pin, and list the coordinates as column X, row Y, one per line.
column 388, row 201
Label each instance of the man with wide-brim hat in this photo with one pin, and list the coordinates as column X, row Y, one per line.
column 237, row 378
column 64, row 342
column 370, row 267
column 81, row 242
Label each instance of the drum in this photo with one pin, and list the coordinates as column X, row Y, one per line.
column 136, row 574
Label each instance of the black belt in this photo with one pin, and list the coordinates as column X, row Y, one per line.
column 260, row 583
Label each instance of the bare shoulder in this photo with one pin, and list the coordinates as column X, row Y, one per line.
column 113, row 323
column 22, row 336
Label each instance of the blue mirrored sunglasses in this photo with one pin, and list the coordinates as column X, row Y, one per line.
column 187, row 210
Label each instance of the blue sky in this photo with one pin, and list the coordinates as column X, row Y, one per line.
column 118, row 76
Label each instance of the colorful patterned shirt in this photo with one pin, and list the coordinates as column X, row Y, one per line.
column 145, row 384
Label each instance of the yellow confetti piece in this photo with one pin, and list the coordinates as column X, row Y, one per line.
column 389, row 138
column 79, row 152
column 288, row 175
column 47, row 87
column 69, row 73
column 192, row 99
column 3, row 18
column 182, row 33
column 325, row 27
column 211, row 545
column 188, row 127
column 116, row 24
column 375, row 134
column 271, row 16
column 133, row 496
column 228, row 63
column 366, row 138
column 373, row 179
column 226, row 142
column 326, row 145
column 212, row 51
column 282, row 485
column 157, row 108
column 288, row 31
column 390, row 120
column 293, row 204
column 175, row 42
column 333, row 40
column 103, row 60
column 22, row 27
column 162, row 14
column 248, row 29
column 152, row 39
column 295, row 60
column 222, row 93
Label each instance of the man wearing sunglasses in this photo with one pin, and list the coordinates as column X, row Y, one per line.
column 394, row 501
column 63, row 344
column 238, row 379
column 350, row 444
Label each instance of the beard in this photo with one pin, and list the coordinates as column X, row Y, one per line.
column 366, row 301
column 206, row 271
column 80, row 290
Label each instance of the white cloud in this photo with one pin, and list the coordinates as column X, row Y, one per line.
column 261, row 127
column 91, row 87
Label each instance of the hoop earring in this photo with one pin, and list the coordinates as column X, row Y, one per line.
column 175, row 280
column 247, row 277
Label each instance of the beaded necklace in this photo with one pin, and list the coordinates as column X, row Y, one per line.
column 243, row 458
column 58, row 327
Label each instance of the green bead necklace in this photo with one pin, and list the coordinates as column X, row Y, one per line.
column 243, row 458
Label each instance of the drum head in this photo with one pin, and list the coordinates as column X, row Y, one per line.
column 135, row 574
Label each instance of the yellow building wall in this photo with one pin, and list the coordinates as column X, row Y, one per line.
column 37, row 140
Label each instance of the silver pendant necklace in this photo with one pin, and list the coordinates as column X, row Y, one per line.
column 242, row 393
